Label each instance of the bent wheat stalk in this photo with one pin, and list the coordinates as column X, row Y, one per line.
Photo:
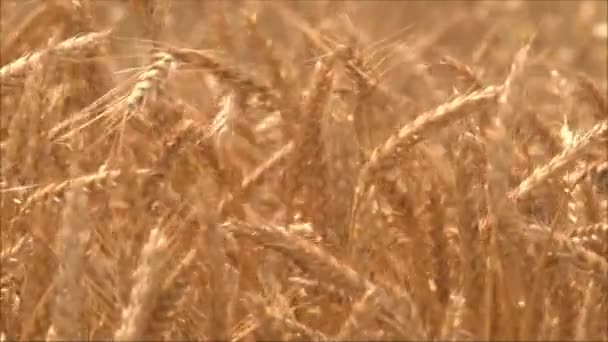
column 415, row 132
column 325, row 266
column 560, row 162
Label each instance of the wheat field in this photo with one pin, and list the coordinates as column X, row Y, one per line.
column 303, row 170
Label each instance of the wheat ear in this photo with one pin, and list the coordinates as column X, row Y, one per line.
column 412, row 134
column 71, row 241
column 560, row 162
column 144, row 292
column 68, row 47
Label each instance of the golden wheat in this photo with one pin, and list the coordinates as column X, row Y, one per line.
column 322, row 170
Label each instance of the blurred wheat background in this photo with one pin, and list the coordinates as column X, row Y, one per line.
column 303, row 170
